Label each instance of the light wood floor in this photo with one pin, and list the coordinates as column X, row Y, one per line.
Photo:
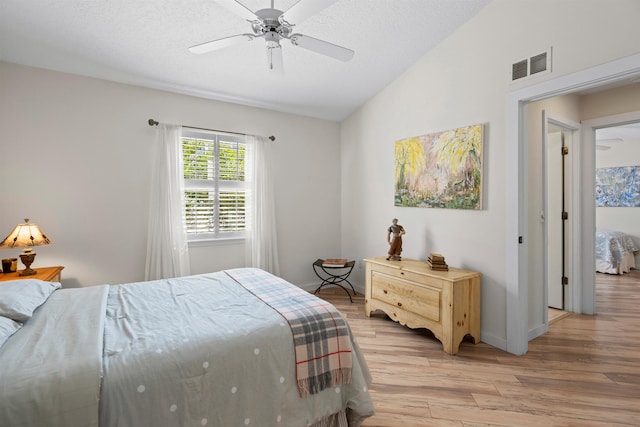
column 584, row 372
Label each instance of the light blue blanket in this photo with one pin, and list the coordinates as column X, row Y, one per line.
column 50, row 369
column 205, row 351
column 194, row 351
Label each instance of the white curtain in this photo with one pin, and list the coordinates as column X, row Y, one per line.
column 262, row 242
column 167, row 246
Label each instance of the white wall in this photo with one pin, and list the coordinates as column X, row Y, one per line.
column 465, row 81
column 74, row 159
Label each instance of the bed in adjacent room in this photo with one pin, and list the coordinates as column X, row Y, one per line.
column 615, row 252
column 234, row 348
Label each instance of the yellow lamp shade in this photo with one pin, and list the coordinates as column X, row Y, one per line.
column 25, row 236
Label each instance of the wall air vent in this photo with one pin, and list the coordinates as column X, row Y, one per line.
column 536, row 64
column 520, row 70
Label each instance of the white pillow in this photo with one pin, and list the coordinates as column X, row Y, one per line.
column 19, row 298
column 7, row 328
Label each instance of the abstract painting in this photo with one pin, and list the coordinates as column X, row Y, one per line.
column 440, row 170
column 618, row 186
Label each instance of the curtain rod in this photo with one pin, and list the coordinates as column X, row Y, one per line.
column 156, row 123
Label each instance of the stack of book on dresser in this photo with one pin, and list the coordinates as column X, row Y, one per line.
column 436, row 262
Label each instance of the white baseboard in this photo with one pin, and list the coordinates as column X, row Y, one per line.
column 537, row 331
column 494, row 341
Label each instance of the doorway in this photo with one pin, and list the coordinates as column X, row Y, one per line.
column 560, row 137
column 614, row 72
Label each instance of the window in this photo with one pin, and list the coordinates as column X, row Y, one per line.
column 214, row 185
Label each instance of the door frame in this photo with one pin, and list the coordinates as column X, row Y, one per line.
column 588, row 136
column 516, row 172
column 572, row 205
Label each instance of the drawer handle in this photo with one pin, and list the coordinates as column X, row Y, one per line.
column 399, row 304
column 385, row 292
column 402, row 273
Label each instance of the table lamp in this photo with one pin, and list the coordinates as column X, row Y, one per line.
column 25, row 236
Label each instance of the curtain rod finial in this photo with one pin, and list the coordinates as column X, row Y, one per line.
column 153, row 122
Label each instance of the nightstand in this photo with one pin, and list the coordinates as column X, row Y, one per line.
column 48, row 274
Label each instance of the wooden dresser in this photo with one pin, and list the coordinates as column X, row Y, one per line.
column 445, row 302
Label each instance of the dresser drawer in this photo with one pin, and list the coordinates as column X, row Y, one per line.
column 422, row 300
column 410, row 276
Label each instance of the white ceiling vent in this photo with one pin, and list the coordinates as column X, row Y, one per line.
column 533, row 65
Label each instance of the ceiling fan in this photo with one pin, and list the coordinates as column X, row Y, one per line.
column 274, row 25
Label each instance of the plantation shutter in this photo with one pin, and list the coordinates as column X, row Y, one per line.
column 215, row 187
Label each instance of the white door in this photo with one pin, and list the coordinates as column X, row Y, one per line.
column 555, row 183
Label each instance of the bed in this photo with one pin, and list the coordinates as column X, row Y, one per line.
column 615, row 252
column 237, row 347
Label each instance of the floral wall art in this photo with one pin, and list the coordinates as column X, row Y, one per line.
column 440, row 170
column 618, row 186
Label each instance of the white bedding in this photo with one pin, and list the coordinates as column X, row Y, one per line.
column 623, row 266
column 615, row 252
column 200, row 350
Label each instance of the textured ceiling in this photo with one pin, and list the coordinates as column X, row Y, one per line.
column 145, row 43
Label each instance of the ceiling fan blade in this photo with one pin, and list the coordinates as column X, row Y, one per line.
column 238, row 8
column 221, row 43
column 274, row 59
column 303, row 10
column 322, row 47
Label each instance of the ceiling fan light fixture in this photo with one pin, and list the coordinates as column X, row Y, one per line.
column 273, row 39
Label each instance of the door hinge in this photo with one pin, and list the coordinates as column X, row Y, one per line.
column 565, row 150
column 565, row 280
column 565, row 215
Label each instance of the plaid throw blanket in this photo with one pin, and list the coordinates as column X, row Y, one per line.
column 320, row 333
